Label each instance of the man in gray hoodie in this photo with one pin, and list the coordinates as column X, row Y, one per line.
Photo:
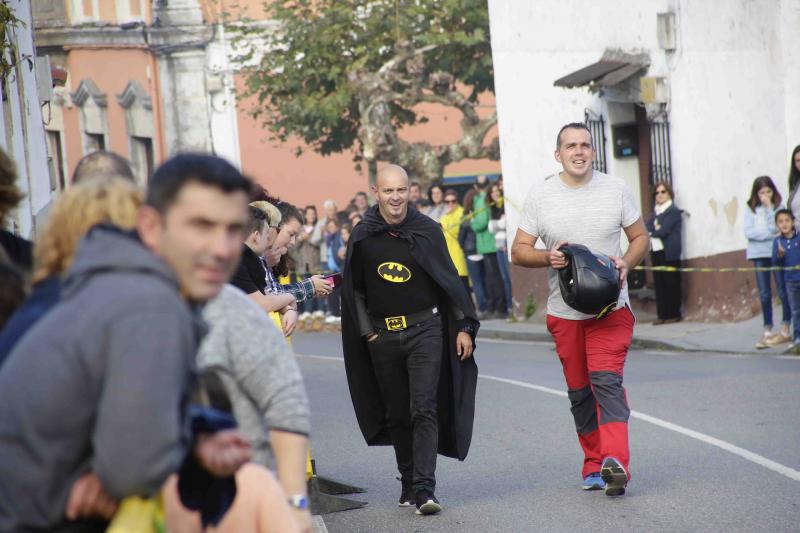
column 92, row 397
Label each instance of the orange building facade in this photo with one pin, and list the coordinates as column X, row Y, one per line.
column 149, row 79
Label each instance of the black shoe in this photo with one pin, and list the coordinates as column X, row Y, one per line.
column 407, row 495
column 427, row 502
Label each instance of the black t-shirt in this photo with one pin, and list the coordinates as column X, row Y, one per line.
column 392, row 281
column 250, row 276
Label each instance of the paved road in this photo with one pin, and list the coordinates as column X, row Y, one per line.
column 523, row 474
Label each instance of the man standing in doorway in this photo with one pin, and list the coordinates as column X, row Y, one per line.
column 408, row 331
column 582, row 206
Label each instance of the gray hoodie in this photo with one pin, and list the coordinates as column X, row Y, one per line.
column 98, row 384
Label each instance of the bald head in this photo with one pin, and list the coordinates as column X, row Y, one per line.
column 392, row 172
column 102, row 165
column 391, row 193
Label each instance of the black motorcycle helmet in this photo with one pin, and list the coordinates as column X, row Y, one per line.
column 590, row 282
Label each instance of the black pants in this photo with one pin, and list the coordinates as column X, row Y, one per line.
column 495, row 290
column 407, row 366
column 668, row 288
column 335, row 302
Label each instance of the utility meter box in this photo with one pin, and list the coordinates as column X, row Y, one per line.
column 653, row 90
column 625, row 138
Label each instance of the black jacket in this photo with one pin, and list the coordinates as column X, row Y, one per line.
column 671, row 224
column 458, row 379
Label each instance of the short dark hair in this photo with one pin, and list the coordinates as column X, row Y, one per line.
column 435, row 185
column 104, row 165
column 784, row 211
column 256, row 220
column 175, row 173
column 361, row 193
column 414, row 184
column 571, row 126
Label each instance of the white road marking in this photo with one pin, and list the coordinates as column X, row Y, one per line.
column 702, row 437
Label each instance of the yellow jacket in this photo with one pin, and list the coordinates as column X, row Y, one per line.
column 450, row 224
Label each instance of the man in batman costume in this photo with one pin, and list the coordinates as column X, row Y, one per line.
column 408, row 332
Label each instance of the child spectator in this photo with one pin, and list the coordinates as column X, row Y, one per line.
column 786, row 253
column 760, row 230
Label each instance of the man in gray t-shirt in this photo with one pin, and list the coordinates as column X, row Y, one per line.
column 582, row 206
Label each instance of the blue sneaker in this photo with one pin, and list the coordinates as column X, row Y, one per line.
column 615, row 476
column 593, row 482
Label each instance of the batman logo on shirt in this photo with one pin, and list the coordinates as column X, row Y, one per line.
column 394, row 272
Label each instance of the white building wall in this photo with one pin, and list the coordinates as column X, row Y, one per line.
column 24, row 137
column 730, row 92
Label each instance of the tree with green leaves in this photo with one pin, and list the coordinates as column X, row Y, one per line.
column 349, row 74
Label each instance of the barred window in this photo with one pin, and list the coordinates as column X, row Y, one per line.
column 598, row 131
column 660, row 158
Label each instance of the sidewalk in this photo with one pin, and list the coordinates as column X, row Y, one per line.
column 731, row 337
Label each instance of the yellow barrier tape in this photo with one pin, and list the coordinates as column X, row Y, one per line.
column 711, row 269
column 508, row 201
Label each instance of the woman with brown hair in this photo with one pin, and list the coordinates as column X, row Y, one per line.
column 760, row 230
column 665, row 225
column 74, row 213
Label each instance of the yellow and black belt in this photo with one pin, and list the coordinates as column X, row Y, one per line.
column 401, row 322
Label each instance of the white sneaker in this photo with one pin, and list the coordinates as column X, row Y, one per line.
column 330, row 319
column 305, row 315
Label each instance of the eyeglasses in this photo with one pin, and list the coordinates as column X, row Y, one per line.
column 450, row 201
column 661, row 192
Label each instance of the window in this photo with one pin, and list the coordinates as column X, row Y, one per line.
column 660, row 158
column 142, row 158
column 54, row 148
column 84, row 11
column 129, row 11
column 94, row 142
column 92, row 105
column 598, row 129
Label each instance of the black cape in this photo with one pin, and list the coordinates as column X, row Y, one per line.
column 458, row 379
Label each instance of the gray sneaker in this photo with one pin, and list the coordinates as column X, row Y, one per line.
column 615, row 476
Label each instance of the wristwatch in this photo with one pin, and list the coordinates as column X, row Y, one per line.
column 298, row 501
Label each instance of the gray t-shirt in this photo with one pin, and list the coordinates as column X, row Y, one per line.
column 592, row 215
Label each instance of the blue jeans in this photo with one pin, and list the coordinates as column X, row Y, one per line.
column 502, row 263
column 477, row 274
column 793, row 292
column 765, row 292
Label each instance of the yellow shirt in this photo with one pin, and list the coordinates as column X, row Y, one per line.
column 450, row 224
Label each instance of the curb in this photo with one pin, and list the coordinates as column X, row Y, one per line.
column 637, row 342
column 534, row 336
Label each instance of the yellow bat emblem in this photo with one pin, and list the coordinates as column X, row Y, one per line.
column 394, row 272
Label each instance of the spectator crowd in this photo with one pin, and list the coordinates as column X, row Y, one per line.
column 181, row 300
column 474, row 225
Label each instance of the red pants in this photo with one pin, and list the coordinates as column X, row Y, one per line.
column 592, row 353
